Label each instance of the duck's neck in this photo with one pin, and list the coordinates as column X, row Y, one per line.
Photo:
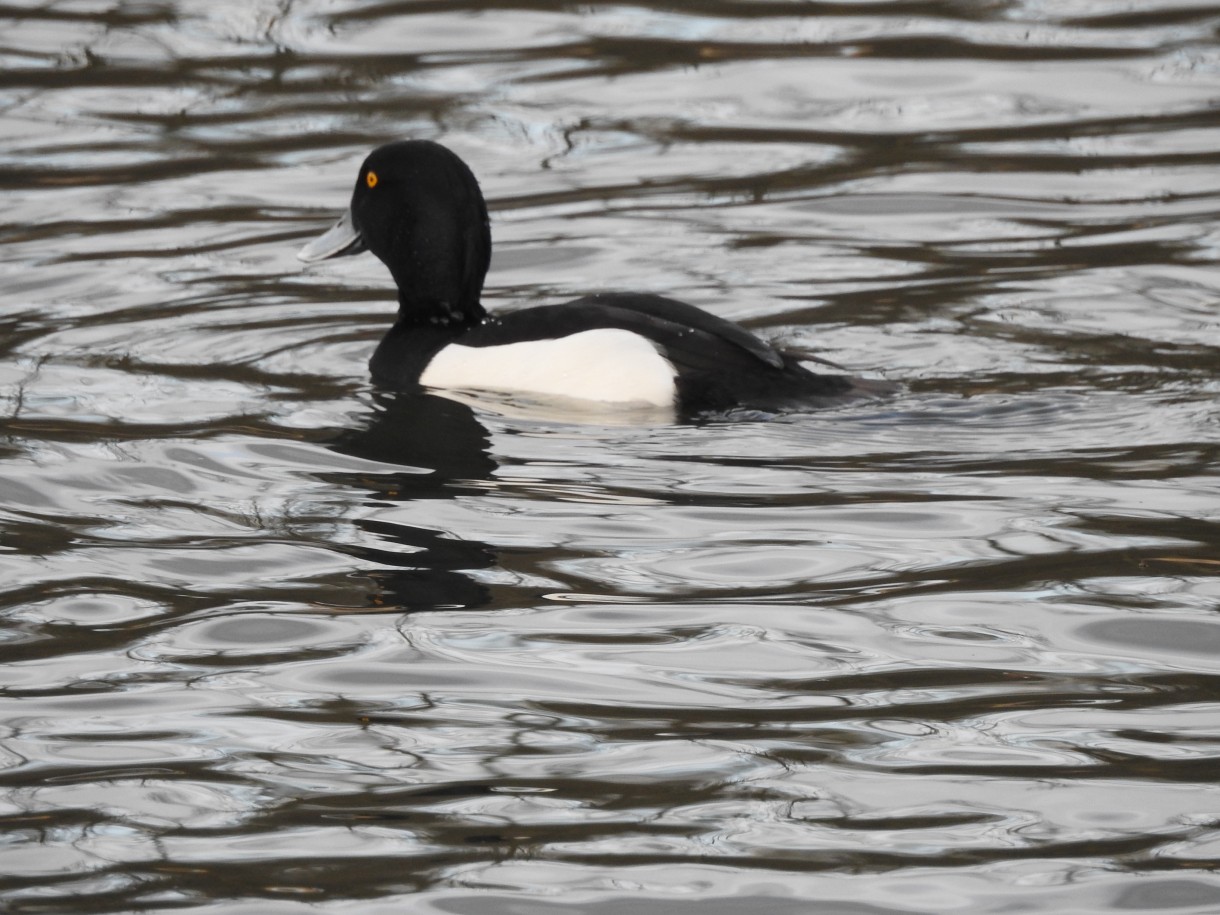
column 433, row 311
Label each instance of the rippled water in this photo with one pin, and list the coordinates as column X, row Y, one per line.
column 275, row 641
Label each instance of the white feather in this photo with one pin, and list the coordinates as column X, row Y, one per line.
column 608, row 365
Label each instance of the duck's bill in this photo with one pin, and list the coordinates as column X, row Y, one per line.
column 338, row 241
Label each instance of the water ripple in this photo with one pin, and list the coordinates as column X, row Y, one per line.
column 274, row 640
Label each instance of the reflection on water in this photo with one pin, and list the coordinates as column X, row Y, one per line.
column 275, row 641
column 445, row 448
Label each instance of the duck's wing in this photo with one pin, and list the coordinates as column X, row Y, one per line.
column 683, row 315
column 690, row 337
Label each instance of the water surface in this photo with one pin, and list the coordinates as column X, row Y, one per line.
column 275, row 641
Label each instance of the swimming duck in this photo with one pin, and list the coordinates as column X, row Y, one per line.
column 418, row 208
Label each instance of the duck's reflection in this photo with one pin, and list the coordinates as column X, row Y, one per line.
column 438, row 442
column 443, row 450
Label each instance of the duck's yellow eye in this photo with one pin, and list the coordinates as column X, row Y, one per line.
column 371, row 179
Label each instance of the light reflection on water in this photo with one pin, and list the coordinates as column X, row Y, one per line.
column 274, row 640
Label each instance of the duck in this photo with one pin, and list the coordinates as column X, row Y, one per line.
column 418, row 208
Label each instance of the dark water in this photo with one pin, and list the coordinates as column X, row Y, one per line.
column 276, row 642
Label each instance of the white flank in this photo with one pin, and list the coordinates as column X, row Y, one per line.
column 608, row 365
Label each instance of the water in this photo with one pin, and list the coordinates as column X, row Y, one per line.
column 275, row 641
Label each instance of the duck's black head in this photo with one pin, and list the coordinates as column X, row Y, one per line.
column 419, row 209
